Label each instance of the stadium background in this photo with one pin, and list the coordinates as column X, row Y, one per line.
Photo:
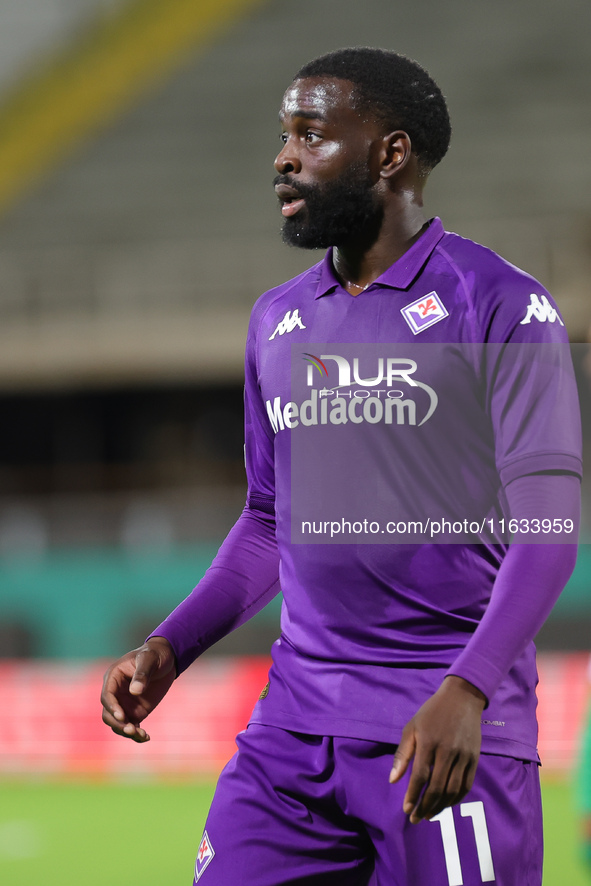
column 137, row 227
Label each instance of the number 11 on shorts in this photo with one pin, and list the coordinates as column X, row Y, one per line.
column 451, row 850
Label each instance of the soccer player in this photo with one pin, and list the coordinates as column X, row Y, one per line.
column 401, row 640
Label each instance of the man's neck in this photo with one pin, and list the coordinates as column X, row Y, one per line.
column 359, row 265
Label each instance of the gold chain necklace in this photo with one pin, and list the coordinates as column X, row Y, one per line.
column 357, row 285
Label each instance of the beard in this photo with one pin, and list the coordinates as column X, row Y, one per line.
column 334, row 212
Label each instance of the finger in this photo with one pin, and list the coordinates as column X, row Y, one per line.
column 403, row 756
column 109, row 700
column 127, row 730
column 459, row 782
column 419, row 778
column 110, row 720
column 145, row 663
column 136, row 733
column 444, row 784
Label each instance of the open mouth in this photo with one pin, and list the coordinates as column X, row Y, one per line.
column 291, row 202
column 291, row 207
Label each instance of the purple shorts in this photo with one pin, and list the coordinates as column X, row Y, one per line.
column 319, row 811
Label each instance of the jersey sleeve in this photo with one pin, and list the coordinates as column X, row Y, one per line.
column 259, row 445
column 532, row 402
column 531, row 389
column 244, row 575
column 529, row 581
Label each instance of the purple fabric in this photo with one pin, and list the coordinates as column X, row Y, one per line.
column 317, row 810
column 242, row 579
column 368, row 631
column 528, row 584
column 368, row 465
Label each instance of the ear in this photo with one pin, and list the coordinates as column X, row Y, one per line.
column 395, row 153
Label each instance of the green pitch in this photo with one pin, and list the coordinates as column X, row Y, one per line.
column 81, row 834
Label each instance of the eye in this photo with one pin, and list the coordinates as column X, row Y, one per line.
column 312, row 137
column 283, row 137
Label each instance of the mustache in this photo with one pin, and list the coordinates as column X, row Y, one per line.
column 301, row 190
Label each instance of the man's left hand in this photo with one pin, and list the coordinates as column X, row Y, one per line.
column 444, row 738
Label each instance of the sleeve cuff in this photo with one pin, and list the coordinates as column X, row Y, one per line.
column 542, row 461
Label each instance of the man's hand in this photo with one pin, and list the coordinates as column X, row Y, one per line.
column 444, row 738
column 135, row 684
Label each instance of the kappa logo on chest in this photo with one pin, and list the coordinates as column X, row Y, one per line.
column 291, row 321
column 424, row 312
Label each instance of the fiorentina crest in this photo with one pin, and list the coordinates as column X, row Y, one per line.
column 424, row 312
column 204, row 856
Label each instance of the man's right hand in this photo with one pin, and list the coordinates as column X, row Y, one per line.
column 135, row 684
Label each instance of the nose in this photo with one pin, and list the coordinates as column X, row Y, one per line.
column 287, row 159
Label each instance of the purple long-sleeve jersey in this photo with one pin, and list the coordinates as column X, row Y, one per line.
column 418, row 400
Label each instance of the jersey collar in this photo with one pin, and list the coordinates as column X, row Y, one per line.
column 400, row 275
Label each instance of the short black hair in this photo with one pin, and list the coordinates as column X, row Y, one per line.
column 398, row 90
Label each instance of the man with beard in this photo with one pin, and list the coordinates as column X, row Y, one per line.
column 410, row 650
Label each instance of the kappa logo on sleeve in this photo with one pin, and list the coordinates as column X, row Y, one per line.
column 291, row 321
column 424, row 312
column 542, row 310
column 204, row 856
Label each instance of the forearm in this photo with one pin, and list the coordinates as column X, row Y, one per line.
column 527, row 586
column 242, row 579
